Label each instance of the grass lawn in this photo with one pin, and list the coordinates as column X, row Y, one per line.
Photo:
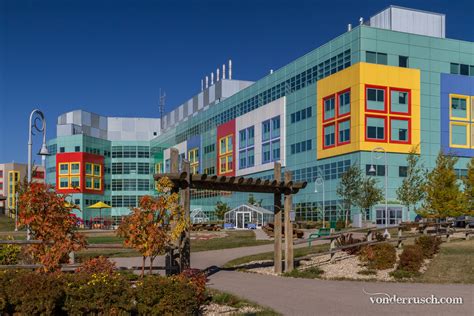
column 298, row 252
column 107, row 239
column 227, row 299
column 235, row 239
column 453, row 264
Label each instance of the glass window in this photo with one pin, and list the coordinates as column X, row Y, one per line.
column 223, row 164
column 371, row 57
column 381, row 58
column 75, row 182
column 454, row 68
column 266, row 130
column 399, row 130
column 464, row 70
column 329, row 108
column 89, row 168
column 402, row 171
column 230, row 164
column 458, row 107
column 344, row 103
column 275, row 150
column 250, row 136
column 62, row 149
column 344, row 129
column 375, row 99
column 276, row 127
column 63, row 168
column 223, row 145
column 250, row 157
column 77, row 149
column 96, row 170
column 375, row 128
column 88, row 182
column 399, row 101
column 243, row 138
column 459, row 135
column 471, row 70
column 75, row 168
column 96, row 183
column 403, row 61
column 329, row 136
column 242, row 159
column 63, row 182
column 266, row 153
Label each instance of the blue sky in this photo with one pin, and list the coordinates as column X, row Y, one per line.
column 111, row 57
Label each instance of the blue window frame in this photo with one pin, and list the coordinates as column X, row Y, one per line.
column 271, row 140
column 246, row 146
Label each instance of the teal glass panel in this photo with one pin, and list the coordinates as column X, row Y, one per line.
column 458, row 107
column 344, row 103
column 375, row 99
column 399, row 130
column 459, row 135
column 399, row 102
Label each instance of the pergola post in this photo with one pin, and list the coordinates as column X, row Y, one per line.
column 170, row 260
column 185, row 240
column 288, row 228
column 277, row 222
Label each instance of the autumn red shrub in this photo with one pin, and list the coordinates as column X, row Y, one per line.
column 97, row 265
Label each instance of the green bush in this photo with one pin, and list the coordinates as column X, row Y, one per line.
column 32, row 293
column 379, row 256
column 98, row 293
column 411, row 258
column 429, row 245
column 9, row 254
column 168, row 296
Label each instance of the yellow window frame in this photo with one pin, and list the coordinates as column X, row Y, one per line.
column 68, row 168
column 159, row 167
column 228, row 149
column 92, row 169
column 226, row 169
column 93, row 183
column 468, row 135
column 12, row 178
column 68, row 182
column 468, row 108
column 91, row 187
column 78, row 170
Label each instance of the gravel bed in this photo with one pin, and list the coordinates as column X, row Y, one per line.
column 216, row 309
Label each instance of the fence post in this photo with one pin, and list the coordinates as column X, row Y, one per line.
column 72, row 258
column 468, row 228
column 370, row 235
column 425, row 230
column 332, row 247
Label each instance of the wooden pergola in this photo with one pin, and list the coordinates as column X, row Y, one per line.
column 184, row 181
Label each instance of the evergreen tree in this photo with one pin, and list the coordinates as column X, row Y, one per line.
column 412, row 189
column 469, row 188
column 349, row 188
column 443, row 195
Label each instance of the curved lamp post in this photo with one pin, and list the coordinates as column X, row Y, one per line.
column 377, row 153
column 36, row 117
column 320, row 181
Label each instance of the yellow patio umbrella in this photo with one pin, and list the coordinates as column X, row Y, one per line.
column 100, row 205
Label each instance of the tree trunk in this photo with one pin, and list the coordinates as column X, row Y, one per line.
column 408, row 214
column 151, row 265
column 348, row 209
column 143, row 266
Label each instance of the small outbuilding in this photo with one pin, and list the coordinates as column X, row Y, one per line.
column 247, row 216
column 198, row 216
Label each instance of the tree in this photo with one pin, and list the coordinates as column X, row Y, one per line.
column 443, row 195
column 155, row 224
column 468, row 182
column 412, row 191
column 221, row 209
column 349, row 188
column 50, row 221
column 253, row 201
column 369, row 193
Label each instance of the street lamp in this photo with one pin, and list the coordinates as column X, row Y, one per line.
column 39, row 118
column 16, row 211
column 377, row 153
column 320, row 181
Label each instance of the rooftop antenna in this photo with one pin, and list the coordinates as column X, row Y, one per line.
column 207, row 82
column 230, row 69
column 349, row 27
column 223, row 71
column 212, row 78
column 202, row 85
column 162, row 107
column 217, row 74
column 361, row 20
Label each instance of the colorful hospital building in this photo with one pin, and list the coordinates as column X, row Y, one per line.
column 394, row 81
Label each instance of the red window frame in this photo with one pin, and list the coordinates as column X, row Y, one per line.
column 409, row 101
column 385, row 101
column 337, row 104
column 335, row 108
column 385, row 140
column 324, row 135
column 337, row 132
column 409, row 130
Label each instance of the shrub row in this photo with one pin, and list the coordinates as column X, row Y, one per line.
column 429, row 245
column 32, row 293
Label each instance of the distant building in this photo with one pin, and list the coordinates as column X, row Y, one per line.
column 393, row 81
column 11, row 176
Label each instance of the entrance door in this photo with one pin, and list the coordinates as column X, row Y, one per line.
column 394, row 213
column 243, row 218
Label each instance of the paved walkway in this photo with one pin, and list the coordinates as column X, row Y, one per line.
column 291, row 296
